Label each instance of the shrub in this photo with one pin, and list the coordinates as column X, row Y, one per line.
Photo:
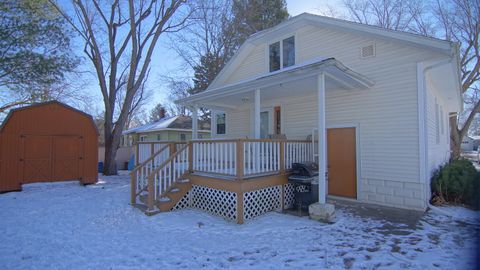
column 457, row 182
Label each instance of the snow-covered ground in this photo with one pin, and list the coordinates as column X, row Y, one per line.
column 68, row 226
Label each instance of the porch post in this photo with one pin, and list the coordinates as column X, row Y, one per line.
column 321, row 138
column 257, row 114
column 194, row 122
column 321, row 210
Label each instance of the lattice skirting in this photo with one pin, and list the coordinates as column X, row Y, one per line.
column 184, row 202
column 289, row 199
column 258, row 202
column 217, row 202
column 224, row 203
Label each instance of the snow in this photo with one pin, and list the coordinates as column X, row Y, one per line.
column 68, row 226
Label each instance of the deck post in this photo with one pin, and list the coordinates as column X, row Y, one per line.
column 133, row 187
column 171, row 148
column 257, row 114
column 240, row 207
column 190, row 157
column 151, row 196
column 239, row 159
column 136, row 154
column 282, row 157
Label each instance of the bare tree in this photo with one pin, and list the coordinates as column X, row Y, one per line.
column 460, row 22
column 120, row 39
column 456, row 20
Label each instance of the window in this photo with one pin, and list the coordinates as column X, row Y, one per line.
column 289, row 52
column 183, row 137
column 282, row 54
column 221, row 123
column 437, row 122
column 274, row 56
column 159, row 137
column 143, row 138
column 442, row 121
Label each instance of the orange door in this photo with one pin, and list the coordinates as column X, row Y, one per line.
column 66, row 157
column 37, row 158
column 342, row 162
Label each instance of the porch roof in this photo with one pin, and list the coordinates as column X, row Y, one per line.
column 292, row 81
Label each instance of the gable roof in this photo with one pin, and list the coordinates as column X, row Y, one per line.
column 40, row 104
column 179, row 122
column 304, row 19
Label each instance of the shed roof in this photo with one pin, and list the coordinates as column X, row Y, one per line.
column 40, row 104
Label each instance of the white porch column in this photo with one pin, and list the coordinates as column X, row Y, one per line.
column 321, row 211
column 256, row 112
column 321, row 139
column 195, row 122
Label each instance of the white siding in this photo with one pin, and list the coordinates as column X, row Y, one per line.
column 437, row 153
column 386, row 114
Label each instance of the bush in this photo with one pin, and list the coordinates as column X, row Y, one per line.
column 457, row 182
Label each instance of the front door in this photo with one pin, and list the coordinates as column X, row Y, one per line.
column 342, row 162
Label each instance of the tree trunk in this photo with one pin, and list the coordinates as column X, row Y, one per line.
column 455, row 138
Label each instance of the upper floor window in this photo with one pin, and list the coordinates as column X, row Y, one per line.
column 282, row 54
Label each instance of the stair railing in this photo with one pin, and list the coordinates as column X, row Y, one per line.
column 139, row 175
column 164, row 176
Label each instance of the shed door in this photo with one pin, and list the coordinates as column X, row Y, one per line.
column 50, row 158
column 342, row 162
column 65, row 158
column 37, row 159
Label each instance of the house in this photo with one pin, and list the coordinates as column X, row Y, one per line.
column 47, row 142
column 174, row 128
column 470, row 143
column 381, row 100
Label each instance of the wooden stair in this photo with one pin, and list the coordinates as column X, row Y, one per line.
column 175, row 193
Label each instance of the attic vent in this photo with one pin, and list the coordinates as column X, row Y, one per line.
column 367, row 51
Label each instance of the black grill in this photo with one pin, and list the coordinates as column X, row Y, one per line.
column 305, row 182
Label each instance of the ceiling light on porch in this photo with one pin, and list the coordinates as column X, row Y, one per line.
column 245, row 99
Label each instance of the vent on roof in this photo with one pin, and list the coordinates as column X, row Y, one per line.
column 367, row 51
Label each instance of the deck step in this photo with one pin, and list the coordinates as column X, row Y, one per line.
column 164, row 199
column 182, row 181
column 174, row 190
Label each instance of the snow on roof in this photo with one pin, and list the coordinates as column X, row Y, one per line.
column 172, row 122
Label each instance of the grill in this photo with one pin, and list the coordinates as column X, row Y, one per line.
column 305, row 181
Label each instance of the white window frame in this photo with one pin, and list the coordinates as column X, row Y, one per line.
column 437, row 122
column 214, row 122
column 280, row 40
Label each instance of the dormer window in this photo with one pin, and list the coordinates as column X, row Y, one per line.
column 282, row 54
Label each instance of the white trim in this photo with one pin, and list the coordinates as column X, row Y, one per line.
column 356, row 126
column 422, row 128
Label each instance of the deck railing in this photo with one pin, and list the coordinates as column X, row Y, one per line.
column 248, row 157
column 233, row 159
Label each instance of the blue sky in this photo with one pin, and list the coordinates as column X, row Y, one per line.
column 166, row 62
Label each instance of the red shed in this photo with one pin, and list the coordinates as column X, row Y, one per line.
column 47, row 142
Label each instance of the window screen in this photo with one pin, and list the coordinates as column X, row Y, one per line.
column 289, row 52
column 274, row 52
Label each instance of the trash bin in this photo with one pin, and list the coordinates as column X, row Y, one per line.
column 100, row 166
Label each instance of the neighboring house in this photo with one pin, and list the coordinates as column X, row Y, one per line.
column 175, row 128
column 380, row 98
column 470, row 143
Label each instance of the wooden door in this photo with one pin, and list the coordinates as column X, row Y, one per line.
column 37, row 158
column 66, row 158
column 342, row 162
